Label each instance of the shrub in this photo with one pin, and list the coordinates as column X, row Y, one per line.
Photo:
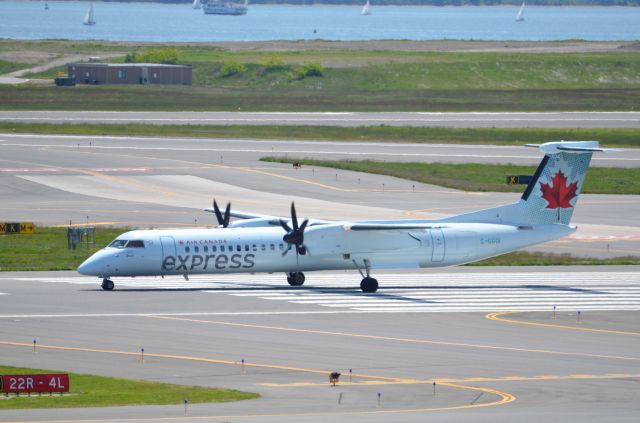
column 232, row 67
column 168, row 56
column 309, row 69
column 273, row 63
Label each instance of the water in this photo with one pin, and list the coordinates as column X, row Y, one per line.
column 179, row 22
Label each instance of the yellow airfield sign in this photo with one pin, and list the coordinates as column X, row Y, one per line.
column 17, row 227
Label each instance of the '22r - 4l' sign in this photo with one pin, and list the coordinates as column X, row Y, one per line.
column 18, row 384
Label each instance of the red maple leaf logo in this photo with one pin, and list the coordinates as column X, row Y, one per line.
column 559, row 195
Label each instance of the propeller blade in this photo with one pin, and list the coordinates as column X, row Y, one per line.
column 227, row 215
column 216, row 210
column 284, row 253
column 285, row 226
column 304, row 225
column 294, row 217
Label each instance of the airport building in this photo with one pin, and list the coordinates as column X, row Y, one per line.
column 130, row 73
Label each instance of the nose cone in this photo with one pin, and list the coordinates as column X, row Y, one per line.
column 93, row 266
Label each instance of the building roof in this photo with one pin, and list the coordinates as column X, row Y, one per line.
column 129, row 65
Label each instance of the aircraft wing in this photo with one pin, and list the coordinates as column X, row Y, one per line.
column 388, row 226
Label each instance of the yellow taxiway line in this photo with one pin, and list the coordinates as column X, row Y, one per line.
column 500, row 318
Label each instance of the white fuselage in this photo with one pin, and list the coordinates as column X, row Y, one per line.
column 331, row 247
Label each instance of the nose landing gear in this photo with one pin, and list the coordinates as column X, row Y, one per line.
column 107, row 284
column 295, row 278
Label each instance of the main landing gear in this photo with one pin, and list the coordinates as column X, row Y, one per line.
column 107, row 284
column 295, row 278
column 368, row 284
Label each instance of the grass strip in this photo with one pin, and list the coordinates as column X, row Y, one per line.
column 495, row 136
column 526, row 258
column 477, row 176
column 47, row 250
column 100, row 391
column 312, row 98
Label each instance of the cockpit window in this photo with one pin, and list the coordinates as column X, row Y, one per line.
column 118, row 243
column 135, row 244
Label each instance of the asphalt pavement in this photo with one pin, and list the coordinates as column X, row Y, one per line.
column 353, row 119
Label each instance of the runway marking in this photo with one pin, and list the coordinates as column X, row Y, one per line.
column 401, row 293
column 398, row 339
column 499, row 317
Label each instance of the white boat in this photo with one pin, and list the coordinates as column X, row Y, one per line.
column 365, row 9
column 224, row 7
column 197, row 4
column 88, row 17
column 520, row 15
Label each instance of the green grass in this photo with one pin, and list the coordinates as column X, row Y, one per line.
column 353, row 79
column 7, row 67
column 99, row 391
column 525, row 258
column 310, row 94
column 477, row 176
column 46, row 249
column 506, row 136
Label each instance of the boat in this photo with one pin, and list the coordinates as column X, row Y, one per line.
column 520, row 15
column 88, row 17
column 365, row 9
column 197, row 4
column 224, row 7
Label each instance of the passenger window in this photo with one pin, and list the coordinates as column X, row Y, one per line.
column 186, row 249
column 238, row 247
column 273, row 247
column 196, row 249
column 206, row 249
column 281, row 247
column 222, row 248
column 263, row 247
column 213, row 248
column 255, row 247
column 246, row 247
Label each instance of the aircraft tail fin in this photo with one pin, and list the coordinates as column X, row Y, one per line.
column 553, row 192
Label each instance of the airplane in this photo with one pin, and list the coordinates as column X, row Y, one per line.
column 257, row 243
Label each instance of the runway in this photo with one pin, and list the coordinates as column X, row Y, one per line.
column 499, row 366
column 351, row 119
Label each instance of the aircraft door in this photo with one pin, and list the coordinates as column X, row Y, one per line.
column 439, row 245
column 168, row 247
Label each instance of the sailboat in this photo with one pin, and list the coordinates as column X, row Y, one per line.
column 88, row 17
column 520, row 15
column 365, row 9
column 196, row 4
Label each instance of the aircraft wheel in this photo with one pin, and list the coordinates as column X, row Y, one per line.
column 296, row 278
column 107, row 285
column 369, row 284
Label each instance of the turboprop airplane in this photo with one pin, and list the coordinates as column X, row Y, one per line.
column 259, row 243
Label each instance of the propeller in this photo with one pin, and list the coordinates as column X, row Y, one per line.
column 222, row 220
column 295, row 235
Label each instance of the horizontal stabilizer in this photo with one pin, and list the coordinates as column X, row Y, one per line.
column 572, row 146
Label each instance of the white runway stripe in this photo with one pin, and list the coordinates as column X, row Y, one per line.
column 398, row 293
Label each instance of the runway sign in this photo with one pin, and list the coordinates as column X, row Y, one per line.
column 17, row 228
column 518, row 179
column 18, row 384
